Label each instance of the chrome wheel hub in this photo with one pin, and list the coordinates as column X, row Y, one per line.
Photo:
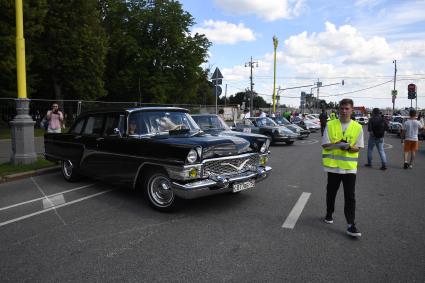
column 160, row 191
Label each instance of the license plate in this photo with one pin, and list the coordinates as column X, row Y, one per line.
column 243, row 186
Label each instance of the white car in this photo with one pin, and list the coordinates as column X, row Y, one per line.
column 363, row 120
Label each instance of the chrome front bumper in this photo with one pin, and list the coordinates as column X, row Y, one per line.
column 217, row 184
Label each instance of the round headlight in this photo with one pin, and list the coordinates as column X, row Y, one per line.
column 192, row 156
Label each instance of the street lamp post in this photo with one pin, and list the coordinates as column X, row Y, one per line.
column 22, row 126
column 275, row 43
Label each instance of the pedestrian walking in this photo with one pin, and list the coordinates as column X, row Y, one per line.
column 323, row 117
column 221, row 113
column 409, row 135
column 376, row 128
column 55, row 119
column 341, row 142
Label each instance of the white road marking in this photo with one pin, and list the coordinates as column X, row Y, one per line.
column 49, row 196
column 293, row 186
column 295, row 213
column 52, row 208
column 50, row 203
column 53, row 201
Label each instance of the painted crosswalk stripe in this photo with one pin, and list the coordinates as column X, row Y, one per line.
column 49, row 196
column 52, row 208
column 296, row 211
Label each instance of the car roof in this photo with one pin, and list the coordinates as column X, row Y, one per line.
column 135, row 109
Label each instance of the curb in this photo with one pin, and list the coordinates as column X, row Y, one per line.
column 18, row 176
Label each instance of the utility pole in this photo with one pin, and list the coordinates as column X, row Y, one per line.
column 395, row 79
column 318, row 84
column 225, row 96
column 251, row 99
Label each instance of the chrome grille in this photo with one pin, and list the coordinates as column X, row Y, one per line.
column 230, row 166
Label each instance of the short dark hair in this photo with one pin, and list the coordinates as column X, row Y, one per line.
column 346, row 101
column 412, row 113
column 375, row 111
column 221, row 111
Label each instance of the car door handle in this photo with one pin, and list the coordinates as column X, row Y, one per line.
column 100, row 139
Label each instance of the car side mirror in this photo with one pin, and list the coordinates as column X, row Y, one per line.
column 117, row 132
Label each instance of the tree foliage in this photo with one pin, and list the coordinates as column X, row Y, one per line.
column 121, row 50
column 152, row 57
column 34, row 12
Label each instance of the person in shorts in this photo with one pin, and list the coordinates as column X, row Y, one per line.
column 409, row 133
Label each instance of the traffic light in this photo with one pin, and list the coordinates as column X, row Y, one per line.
column 411, row 91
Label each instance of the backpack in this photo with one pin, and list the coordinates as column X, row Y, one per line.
column 378, row 127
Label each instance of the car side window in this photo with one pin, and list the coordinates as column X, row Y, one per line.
column 94, row 125
column 78, row 127
column 112, row 122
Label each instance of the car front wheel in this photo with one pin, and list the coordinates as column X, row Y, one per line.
column 157, row 188
column 69, row 171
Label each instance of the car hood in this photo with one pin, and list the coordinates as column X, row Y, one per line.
column 212, row 145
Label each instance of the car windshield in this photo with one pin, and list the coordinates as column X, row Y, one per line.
column 209, row 122
column 265, row 122
column 159, row 122
column 282, row 120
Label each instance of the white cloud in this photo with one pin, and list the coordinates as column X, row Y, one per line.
column 269, row 10
column 222, row 32
column 344, row 44
column 394, row 21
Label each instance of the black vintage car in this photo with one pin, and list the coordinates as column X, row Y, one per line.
column 214, row 125
column 159, row 150
column 267, row 127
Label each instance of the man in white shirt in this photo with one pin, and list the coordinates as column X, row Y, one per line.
column 409, row 133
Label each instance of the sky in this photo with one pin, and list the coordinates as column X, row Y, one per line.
column 322, row 40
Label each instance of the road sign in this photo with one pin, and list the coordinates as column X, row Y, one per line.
column 394, row 92
column 217, row 90
column 217, row 77
column 411, row 91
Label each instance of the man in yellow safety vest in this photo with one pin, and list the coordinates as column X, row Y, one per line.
column 341, row 142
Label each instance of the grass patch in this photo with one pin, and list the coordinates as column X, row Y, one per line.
column 8, row 168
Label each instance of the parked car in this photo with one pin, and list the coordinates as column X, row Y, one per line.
column 214, row 125
column 306, row 124
column 363, row 120
column 304, row 133
column 268, row 127
column 396, row 124
column 159, row 150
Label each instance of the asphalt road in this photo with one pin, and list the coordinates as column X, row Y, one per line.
column 98, row 232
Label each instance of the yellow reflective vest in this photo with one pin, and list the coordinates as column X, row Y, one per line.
column 333, row 116
column 338, row 158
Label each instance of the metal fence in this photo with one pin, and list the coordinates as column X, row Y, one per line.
column 73, row 108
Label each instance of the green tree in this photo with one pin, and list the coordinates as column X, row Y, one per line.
column 34, row 12
column 73, row 47
column 153, row 56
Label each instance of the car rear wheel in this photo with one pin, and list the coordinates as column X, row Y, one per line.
column 69, row 171
column 157, row 188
